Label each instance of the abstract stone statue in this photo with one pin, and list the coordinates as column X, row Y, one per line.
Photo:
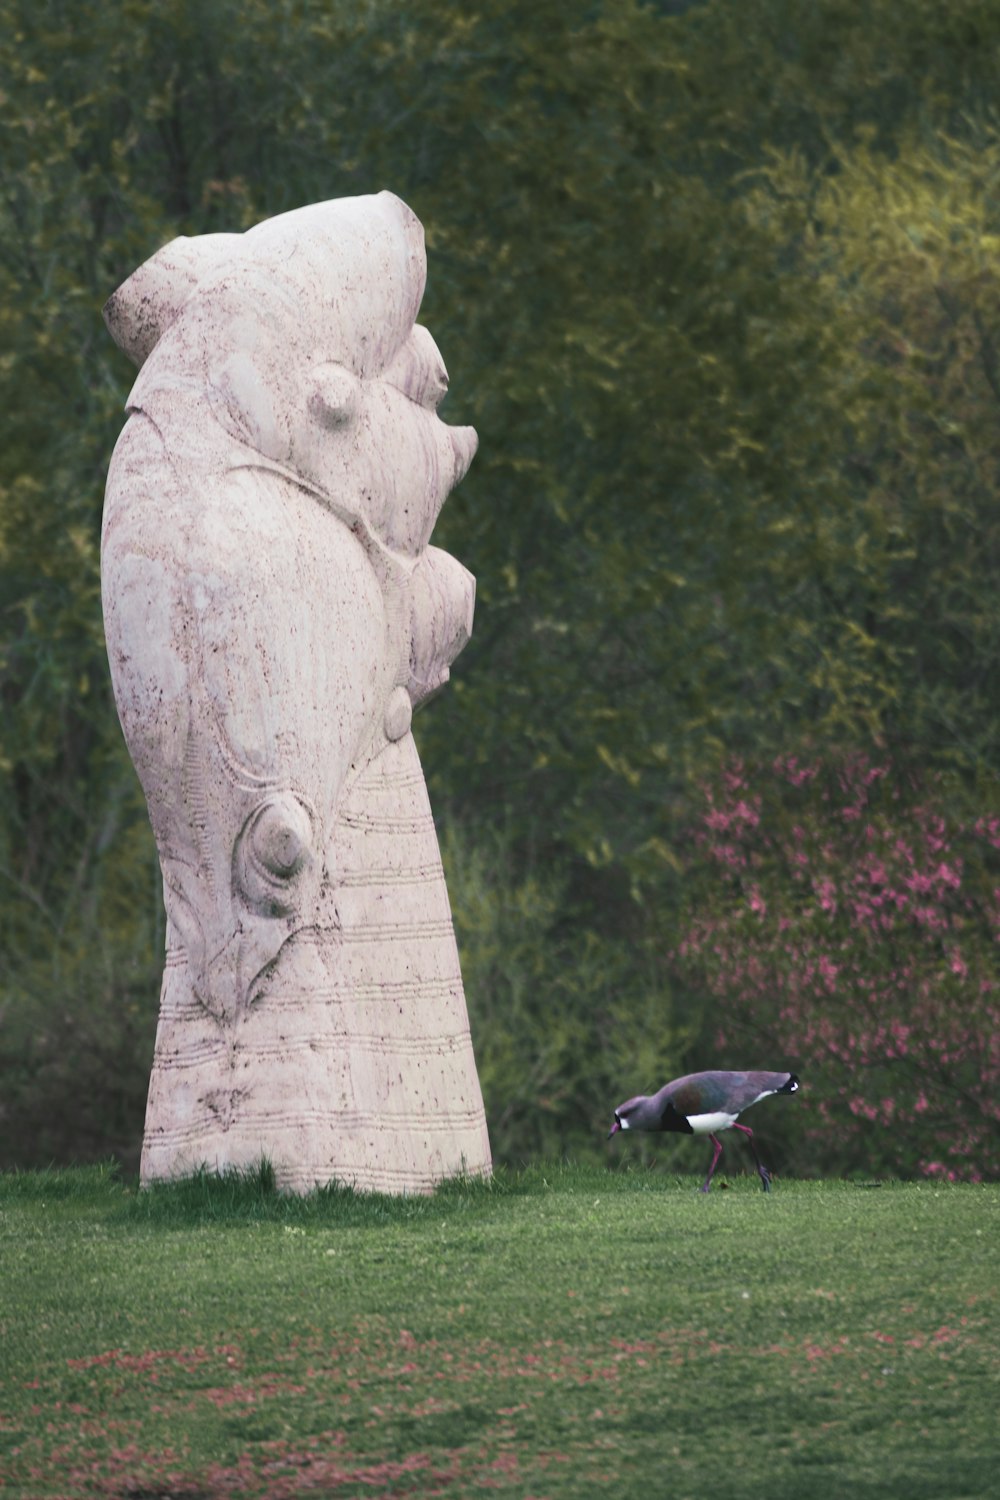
column 274, row 614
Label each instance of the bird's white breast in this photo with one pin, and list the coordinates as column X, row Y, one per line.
column 702, row 1124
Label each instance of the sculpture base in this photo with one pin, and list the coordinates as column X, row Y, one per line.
column 352, row 1061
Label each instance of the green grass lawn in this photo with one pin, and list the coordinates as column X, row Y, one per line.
column 563, row 1332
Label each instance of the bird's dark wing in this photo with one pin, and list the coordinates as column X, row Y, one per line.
column 696, row 1096
column 672, row 1119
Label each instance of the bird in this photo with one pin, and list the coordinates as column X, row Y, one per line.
column 701, row 1104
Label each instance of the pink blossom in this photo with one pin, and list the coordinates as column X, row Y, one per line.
column 934, row 836
column 733, row 777
column 828, row 972
column 938, row 1169
column 726, row 854
column 827, row 892
column 900, row 1036
column 989, row 828
column 795, row 774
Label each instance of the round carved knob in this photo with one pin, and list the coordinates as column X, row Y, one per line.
column 398, row 714
column 280, row 836
column 273, row 848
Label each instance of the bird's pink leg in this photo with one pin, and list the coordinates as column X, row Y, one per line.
column 718, row 1152
column 765, row 1175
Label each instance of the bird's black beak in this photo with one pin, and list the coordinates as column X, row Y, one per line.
column 614, row 1129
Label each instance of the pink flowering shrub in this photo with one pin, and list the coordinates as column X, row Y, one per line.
column 846, row 921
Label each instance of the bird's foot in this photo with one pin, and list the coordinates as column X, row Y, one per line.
column 765, row 1179
column 705, row 1187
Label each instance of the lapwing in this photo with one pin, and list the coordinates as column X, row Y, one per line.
column 703, row 1103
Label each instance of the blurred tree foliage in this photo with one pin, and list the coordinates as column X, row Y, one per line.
column 717, row 285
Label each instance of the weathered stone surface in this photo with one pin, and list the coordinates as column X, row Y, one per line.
column 274, row 614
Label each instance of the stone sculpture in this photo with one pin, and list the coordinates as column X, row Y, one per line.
column 274, row 614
